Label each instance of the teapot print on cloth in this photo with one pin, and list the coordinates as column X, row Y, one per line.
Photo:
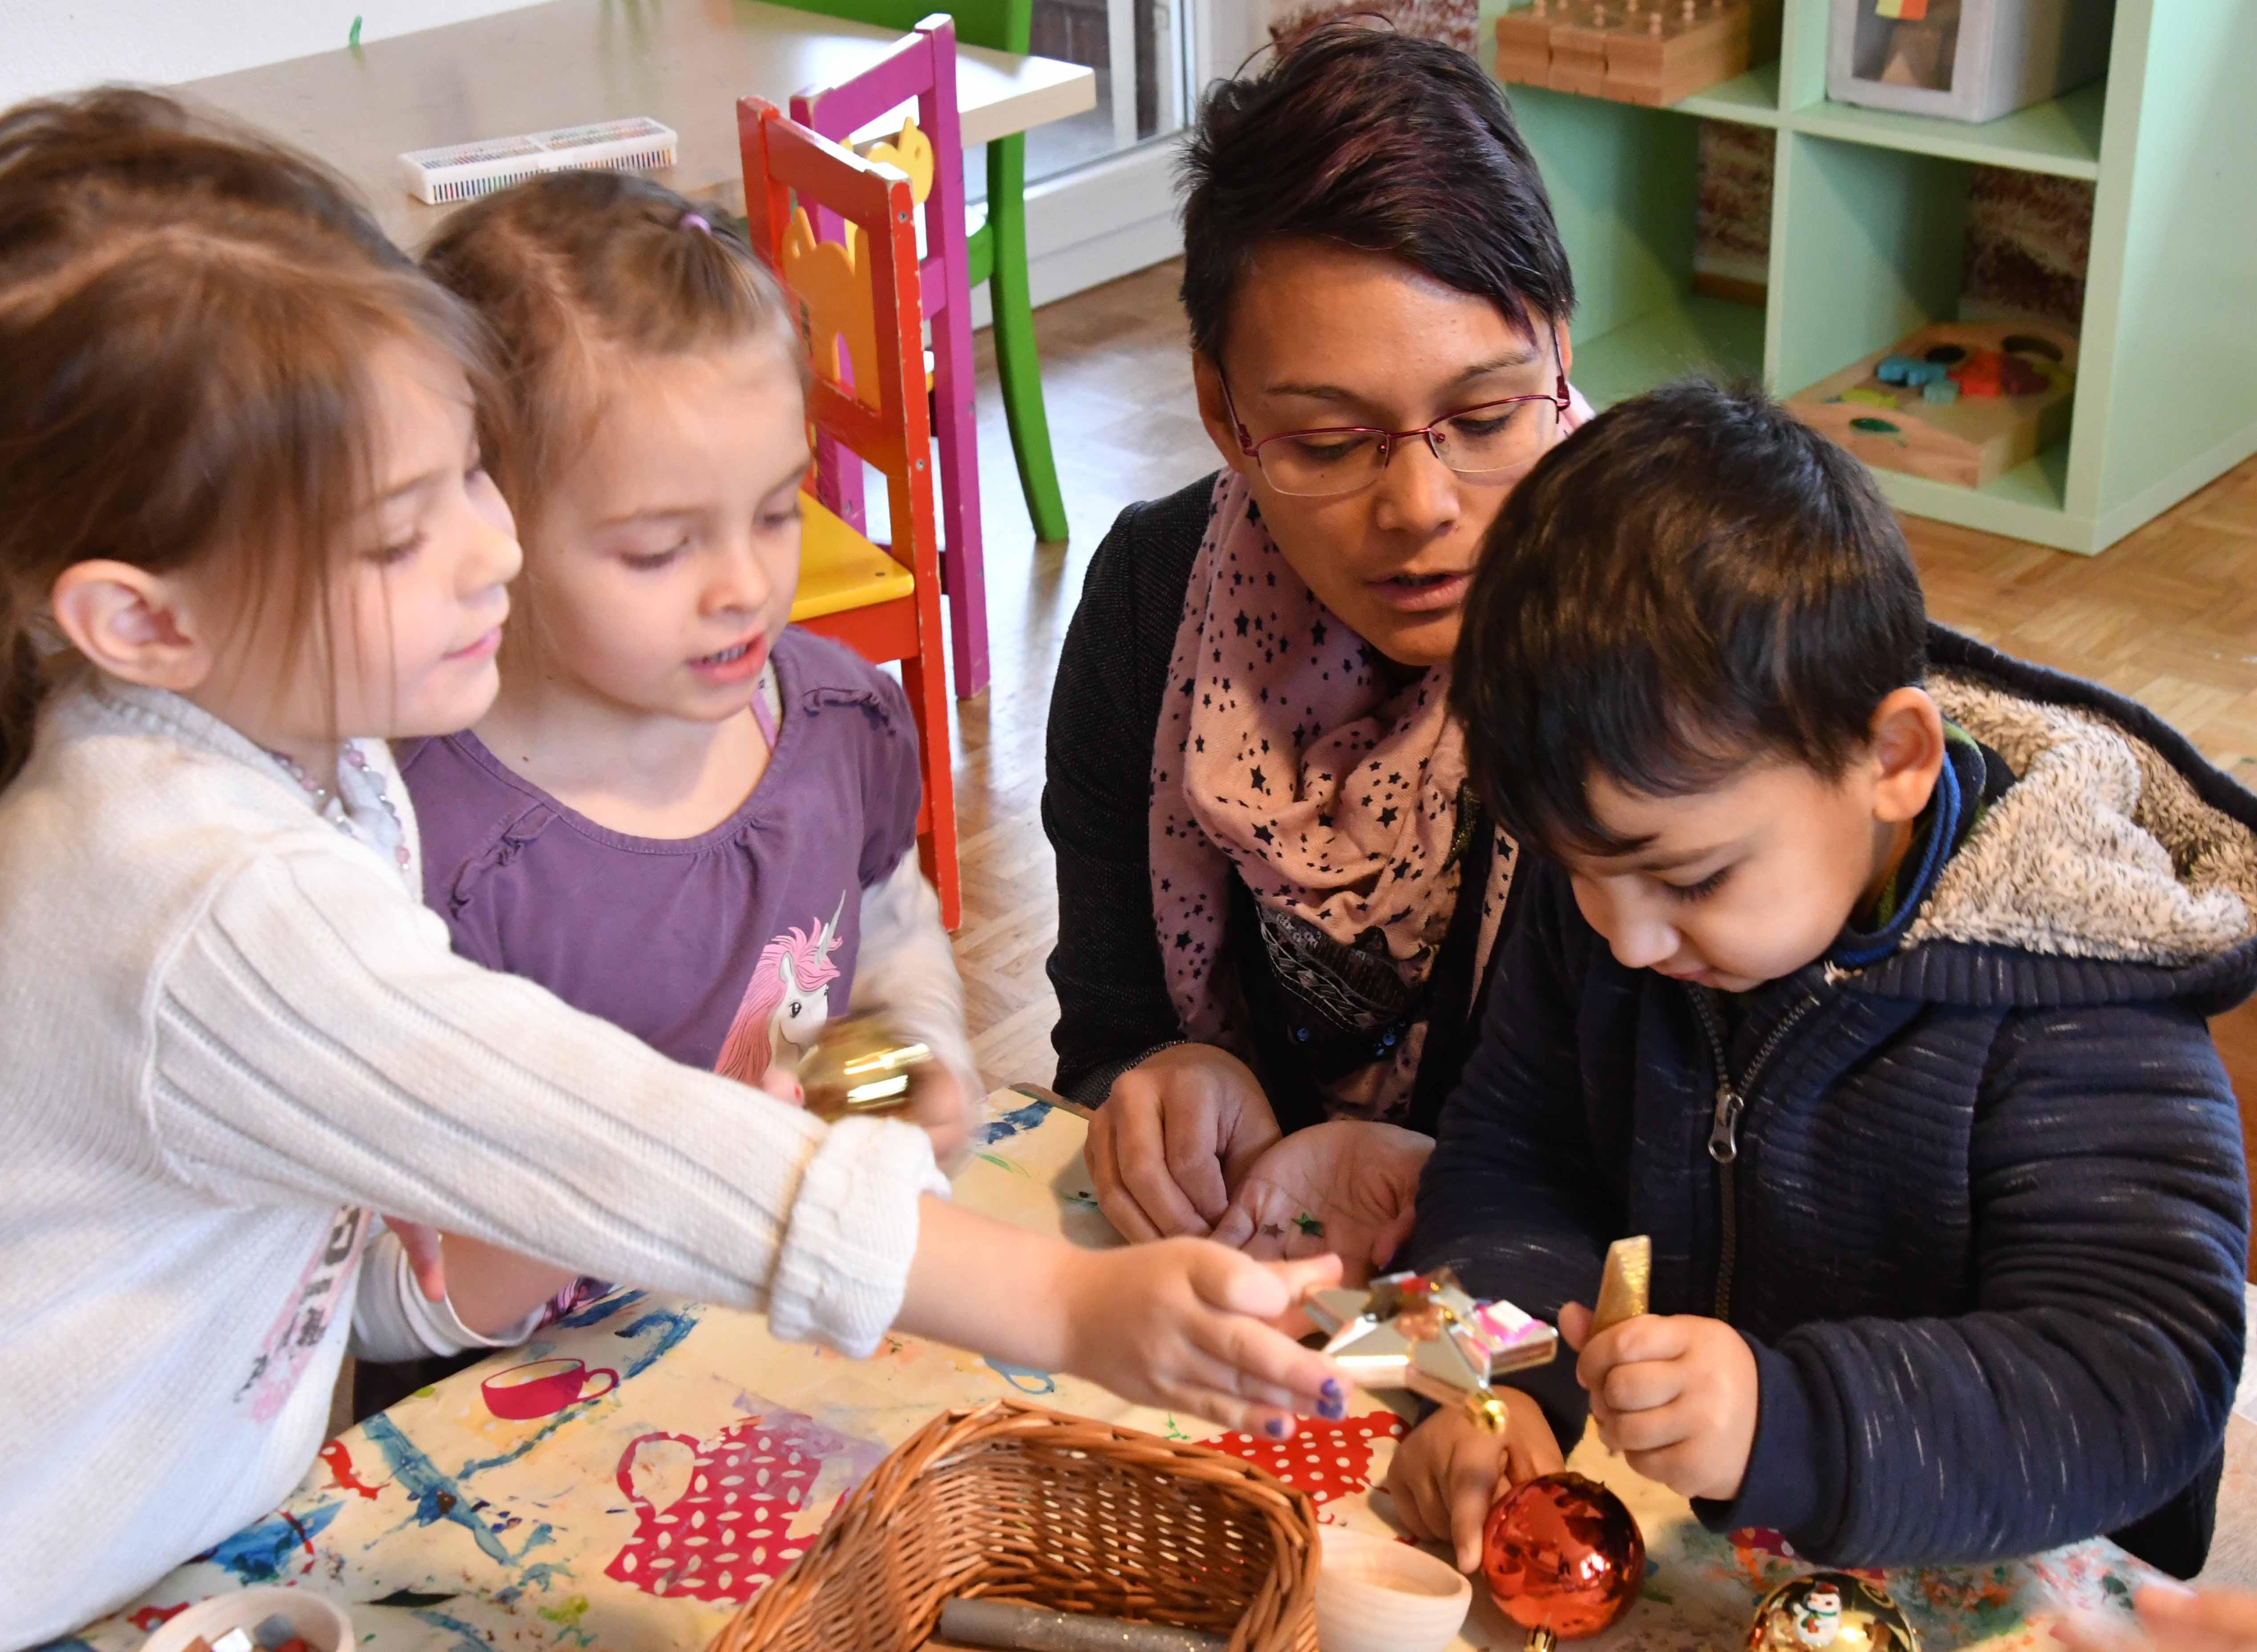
column 726, row 1535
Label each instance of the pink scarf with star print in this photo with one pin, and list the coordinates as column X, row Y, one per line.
column 1285, row 755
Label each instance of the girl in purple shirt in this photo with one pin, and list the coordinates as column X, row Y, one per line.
column 681, row 814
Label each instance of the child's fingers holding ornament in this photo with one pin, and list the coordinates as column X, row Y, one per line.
column 1675, row 1394
column 1181, row 1324
column 941, row 1107
column 1445, row 1475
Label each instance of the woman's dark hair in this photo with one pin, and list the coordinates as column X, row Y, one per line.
column 1695, row 579
column 1368, row 138
column 188, row 314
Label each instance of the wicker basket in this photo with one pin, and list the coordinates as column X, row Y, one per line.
column 1023, row 1503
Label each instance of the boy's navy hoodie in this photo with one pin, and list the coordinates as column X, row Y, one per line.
column 1982, row 1215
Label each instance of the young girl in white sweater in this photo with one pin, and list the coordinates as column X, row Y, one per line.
column 247, row 539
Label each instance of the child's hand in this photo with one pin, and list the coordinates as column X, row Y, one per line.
column 1675, row 1394
column 420, row 1241
column 491, row 1290
column 2184, row 1620
column 1445, row 1476
column 1180, row 1324
column 940, row 1107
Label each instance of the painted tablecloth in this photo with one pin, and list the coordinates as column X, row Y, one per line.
column 624, row 1482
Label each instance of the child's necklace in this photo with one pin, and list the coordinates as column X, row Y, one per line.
column 354, row 816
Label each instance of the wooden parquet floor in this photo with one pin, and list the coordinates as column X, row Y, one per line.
column 2168, row 615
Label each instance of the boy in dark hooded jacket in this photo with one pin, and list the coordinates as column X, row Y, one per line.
column 1866, row 969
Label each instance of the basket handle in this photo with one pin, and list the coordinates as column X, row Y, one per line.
column 624, row 1473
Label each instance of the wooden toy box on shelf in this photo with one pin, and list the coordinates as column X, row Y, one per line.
column 1649, row 52
column 1958, row 402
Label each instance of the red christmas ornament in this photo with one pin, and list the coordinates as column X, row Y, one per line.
column 1562, row 1558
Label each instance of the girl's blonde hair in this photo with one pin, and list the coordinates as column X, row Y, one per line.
column 575, row 267
column 186, row 317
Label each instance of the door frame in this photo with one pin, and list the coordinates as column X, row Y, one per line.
column 1117, row 214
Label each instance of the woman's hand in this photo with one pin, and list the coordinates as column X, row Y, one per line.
column 1348, row 1187
column 1445, row 1475
column 1178, row 1131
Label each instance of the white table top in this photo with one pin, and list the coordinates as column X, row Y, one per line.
column 569, row 61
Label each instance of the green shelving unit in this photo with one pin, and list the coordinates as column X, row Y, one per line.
column 1867, row 240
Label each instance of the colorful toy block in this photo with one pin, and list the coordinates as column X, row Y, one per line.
column 1991, row 394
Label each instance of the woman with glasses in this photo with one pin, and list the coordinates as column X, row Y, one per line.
column 1277, row 899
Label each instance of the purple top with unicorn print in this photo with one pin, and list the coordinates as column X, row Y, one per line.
column 711, row 949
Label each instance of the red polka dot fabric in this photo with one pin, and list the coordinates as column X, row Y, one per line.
column 1324, row 1459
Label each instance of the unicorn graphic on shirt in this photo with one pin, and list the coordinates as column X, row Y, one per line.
column 787, row 1001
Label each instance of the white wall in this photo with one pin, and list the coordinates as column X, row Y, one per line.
column 1078, row 232
column 57, row 46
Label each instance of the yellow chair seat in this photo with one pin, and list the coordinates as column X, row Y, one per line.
column 840, row 570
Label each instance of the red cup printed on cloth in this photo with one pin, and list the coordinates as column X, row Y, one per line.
column 543, row 1388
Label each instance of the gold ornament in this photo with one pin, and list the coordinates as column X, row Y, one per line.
column 859, row 1065
column 1830, row 1611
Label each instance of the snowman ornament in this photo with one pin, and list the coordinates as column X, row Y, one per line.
column 1818, row 1619
column 1831, row 1611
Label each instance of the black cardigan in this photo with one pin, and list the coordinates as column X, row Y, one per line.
column 1114, row 1008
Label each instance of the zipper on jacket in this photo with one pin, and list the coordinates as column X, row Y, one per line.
column 1732, row 1099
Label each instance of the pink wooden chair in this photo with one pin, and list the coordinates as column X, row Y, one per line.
column 923, row 67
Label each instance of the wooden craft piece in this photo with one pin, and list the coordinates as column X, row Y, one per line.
column 2005, row 396
column 836, row 308
column 1579, row 49
column 1524, row 44
column 1648, row 52
column 909, row 153
column 1625, row 1287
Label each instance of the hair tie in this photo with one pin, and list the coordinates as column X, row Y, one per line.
column 692, row 220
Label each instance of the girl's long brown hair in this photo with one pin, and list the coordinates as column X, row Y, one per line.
column 186, row 313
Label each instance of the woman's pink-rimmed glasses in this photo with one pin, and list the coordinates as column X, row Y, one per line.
column 1485, row 443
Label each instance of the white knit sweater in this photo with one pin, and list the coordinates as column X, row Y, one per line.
column 231, row 1031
